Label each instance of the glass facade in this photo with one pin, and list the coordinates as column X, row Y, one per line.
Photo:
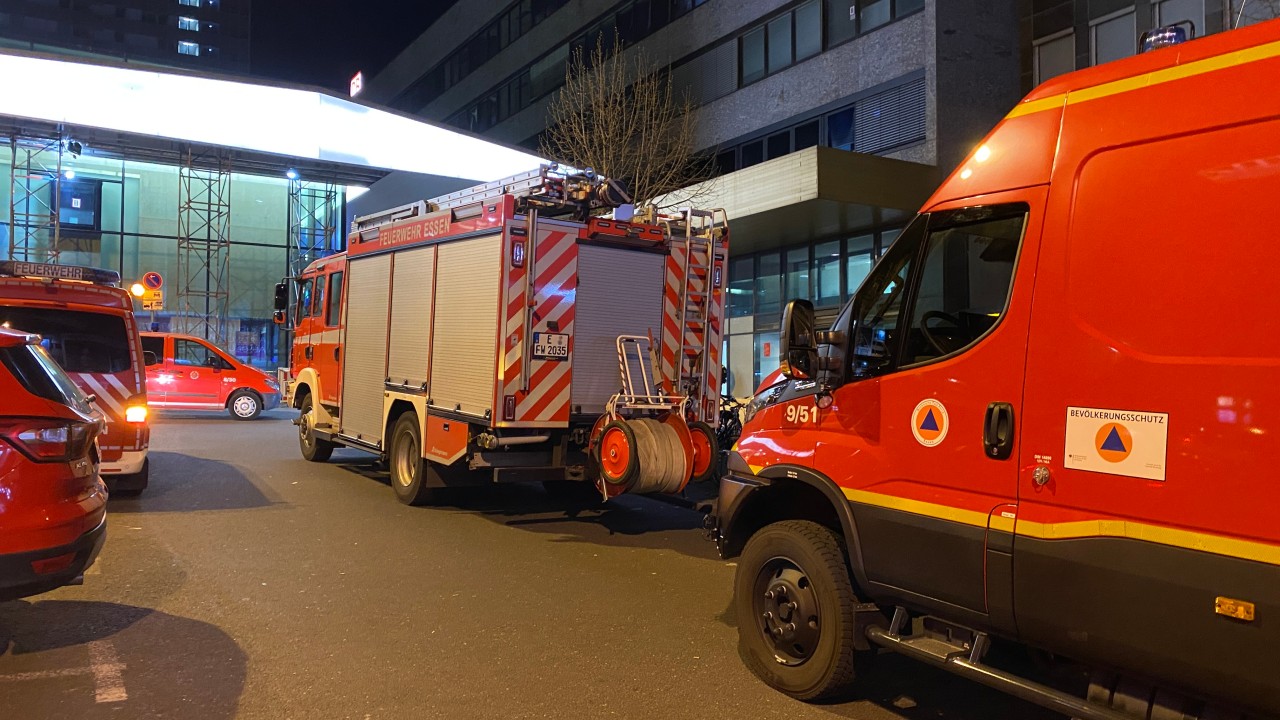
column 135, row 230
column 826, row 272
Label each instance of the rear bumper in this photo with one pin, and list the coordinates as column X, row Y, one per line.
column 130, row 463
column 18, row 578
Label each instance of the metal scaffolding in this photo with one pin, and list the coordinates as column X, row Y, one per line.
column 34, row 191
column 313, row 222
column 204, row 245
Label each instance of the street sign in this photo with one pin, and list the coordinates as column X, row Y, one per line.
column 153, row 299
column 152, row 281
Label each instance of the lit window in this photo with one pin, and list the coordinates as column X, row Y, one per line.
column 1114, row 36
column 188, row 48
column 189, row 3
column 1055, row 55
column 189, row 23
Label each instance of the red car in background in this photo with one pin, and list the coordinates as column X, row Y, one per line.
column 190, row 373
column 53, row 503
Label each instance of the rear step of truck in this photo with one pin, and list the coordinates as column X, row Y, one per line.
column 961, row 651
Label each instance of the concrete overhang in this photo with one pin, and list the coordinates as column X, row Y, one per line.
column 816, row 193
column 265, row 128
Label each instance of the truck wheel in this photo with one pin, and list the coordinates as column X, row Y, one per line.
column 408, row 468
column 794, row 603
column 244, row 405
column 706, row 451
column 313, row 448
column 619, row 459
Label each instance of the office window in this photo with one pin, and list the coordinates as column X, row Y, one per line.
column 842, row 21
column 1176, row 12
column 189, row 23
column 741, row 286
column 858, row 260
column 808, row 30
column 189, row 3
column 188, row 48
column 753, row 67
column 778, row 145
column 779, row 43
column 798, row 273
column 769, row 284
column 1114, row 36
column 1054, row 55
column 873, row 13
column 826, row 262
column 752, row 153
column 840, row 129
column 806, row 135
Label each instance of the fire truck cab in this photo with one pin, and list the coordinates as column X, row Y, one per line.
column 1045, row 417
column 85, row 322
column 502, row 333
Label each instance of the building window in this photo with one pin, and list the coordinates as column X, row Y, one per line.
column 188, row 23
column 188, row 48
column 1054, row 55
column 189, row 3
column 753, row 67
column 781, row 42
column 1179, row 12
column 847, row 19
column 1113, row 36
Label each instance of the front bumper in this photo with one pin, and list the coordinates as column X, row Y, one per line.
column 19, row 579
column 270, row 401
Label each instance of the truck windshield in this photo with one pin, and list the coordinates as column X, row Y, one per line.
column 81, row 342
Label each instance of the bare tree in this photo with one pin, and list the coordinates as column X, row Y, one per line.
column 1248, row 12
column 624, row 121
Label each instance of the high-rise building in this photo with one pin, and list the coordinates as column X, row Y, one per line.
column 211, row 35
column 831, row 120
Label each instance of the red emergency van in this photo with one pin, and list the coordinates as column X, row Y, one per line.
column 190, row 373
column 1046, row 417
column 53, row 517
column 86, row 324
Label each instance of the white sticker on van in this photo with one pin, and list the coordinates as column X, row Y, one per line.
column 1130, row 443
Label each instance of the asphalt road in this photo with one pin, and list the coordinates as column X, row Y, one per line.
column 248, row 583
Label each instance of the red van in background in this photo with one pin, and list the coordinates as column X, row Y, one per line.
column 86, row 324
column 54, row 516
column 190, row 373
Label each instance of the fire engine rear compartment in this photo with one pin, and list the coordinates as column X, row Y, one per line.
column 425, row 321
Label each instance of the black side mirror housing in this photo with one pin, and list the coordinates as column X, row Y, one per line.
column 282, row 297
column 799, row 346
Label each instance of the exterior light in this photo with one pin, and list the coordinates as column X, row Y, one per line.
column 69, row 174
column 291, row 174
column 137, row 290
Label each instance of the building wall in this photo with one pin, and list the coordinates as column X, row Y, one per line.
column 145, row 31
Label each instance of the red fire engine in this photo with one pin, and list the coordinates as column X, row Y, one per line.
column 1046, row 418
column 502, row 333
column 86, row 323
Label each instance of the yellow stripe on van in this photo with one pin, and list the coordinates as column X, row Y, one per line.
column 1157, row 77
column 1158, row 534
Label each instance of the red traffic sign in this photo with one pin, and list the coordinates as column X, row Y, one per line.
column 152, row 281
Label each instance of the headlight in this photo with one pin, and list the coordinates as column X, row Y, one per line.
column 271, row 383
column 753, row 407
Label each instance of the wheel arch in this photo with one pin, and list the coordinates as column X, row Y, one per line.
column 790, row 492
column 396, row 405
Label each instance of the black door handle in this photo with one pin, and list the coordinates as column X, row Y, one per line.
column 307, row 352
column 335, row 352
column 997, row 436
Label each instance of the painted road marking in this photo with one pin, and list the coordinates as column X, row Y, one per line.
column 104, row 666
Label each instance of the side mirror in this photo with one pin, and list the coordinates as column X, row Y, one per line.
column 799, row 350
column 149, row 358
column 282, row 299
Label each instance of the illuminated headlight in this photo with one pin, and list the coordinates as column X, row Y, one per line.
column 271, row 383
column 135, row 414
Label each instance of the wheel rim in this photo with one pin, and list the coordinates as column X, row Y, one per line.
column 245, row 405
column 304, row 428
column 406, row 459
column 786, row 611
column 615, row 454
column 701, row 452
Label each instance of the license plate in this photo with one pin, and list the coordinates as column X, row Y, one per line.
column 550, row 346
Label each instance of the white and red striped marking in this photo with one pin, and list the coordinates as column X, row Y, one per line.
column 555, row 288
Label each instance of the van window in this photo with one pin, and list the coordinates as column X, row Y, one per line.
column 335, row 300
column 964, row 280
column 879, row 303
column 81, row 342
column 196, row 354
column 152, row 350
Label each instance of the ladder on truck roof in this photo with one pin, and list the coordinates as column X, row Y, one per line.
column 546, row 187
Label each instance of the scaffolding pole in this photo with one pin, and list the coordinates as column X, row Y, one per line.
column 35, row 183
column 313, row 222
column 204, row 245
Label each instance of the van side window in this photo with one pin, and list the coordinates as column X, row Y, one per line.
column 334, row 314
column 152, row 350
column 304, row 302
column 965, row 279
column 879, row 303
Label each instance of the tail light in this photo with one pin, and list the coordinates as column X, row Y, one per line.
column 135, row 411
column 45, row 440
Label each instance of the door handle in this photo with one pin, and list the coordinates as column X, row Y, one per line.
column 997, row 436
column 307, row 352
column 335, row 352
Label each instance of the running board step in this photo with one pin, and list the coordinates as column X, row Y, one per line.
column 955, row 657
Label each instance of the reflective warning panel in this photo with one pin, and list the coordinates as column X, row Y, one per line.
column 1117, row 442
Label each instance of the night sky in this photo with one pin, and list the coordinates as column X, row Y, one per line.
column 324, row 42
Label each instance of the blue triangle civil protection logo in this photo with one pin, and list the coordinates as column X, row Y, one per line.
column 930, row 422
column 1113, row 442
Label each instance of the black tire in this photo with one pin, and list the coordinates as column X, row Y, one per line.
column 408, row 468
column 804, row 647
column 129, row 486
column 244, row 405
column 312, row 447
